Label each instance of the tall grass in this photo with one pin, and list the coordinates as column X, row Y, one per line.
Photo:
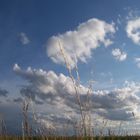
column 83, row 130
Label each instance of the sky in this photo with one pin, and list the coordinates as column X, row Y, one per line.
column 99, row 37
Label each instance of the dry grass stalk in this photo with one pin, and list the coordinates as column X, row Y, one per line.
column 25, row 124
column 3, row 130
column 75, row 87
column 85, row 111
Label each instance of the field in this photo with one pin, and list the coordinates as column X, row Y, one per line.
column 71, row 138
column 88, row 98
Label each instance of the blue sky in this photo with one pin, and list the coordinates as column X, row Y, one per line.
column 41, row 20
column 26, row 27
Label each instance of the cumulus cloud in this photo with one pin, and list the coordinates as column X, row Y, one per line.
column 118, row 104
column 137, row 61
column 119, row 55
column 133, row 30
column 78, row 44
column 48, row 85
column 24, row 38
column 57, row 92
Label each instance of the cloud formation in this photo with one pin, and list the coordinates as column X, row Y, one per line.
column 78, row 44
column 47, row 85
column 24, row 38
column 137, row 61
column 118, row 104
column 133, row 30
column 57, row 91
column 119, row 55
column 3, row 92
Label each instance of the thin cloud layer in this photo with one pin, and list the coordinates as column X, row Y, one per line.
column 119, row 55
column 57, row 91
column 24, row 38
column 137, row 61
column 78, row 44
column 133, row 30
column 3, row 92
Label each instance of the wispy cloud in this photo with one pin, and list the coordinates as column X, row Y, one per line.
column 24, row 38
column 137, row 61
column 78, row 44
column 119, row 55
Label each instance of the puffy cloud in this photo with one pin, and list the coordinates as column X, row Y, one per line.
column 48, row 86
column 119, row 55
column 137, row 61
column 16, row 67
column 57, row 91
column 24, row 38
column 78, row 44
column 133, row 30
column 118, row 104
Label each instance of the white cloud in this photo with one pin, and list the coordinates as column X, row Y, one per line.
column 16, row 67
column 133, row 30
column 119, row 55
column 78, row 44
column 24, row 38
column 48, row 85
column 119, row 19
column 57, row 92
column 137, row 61
column 119, row 104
